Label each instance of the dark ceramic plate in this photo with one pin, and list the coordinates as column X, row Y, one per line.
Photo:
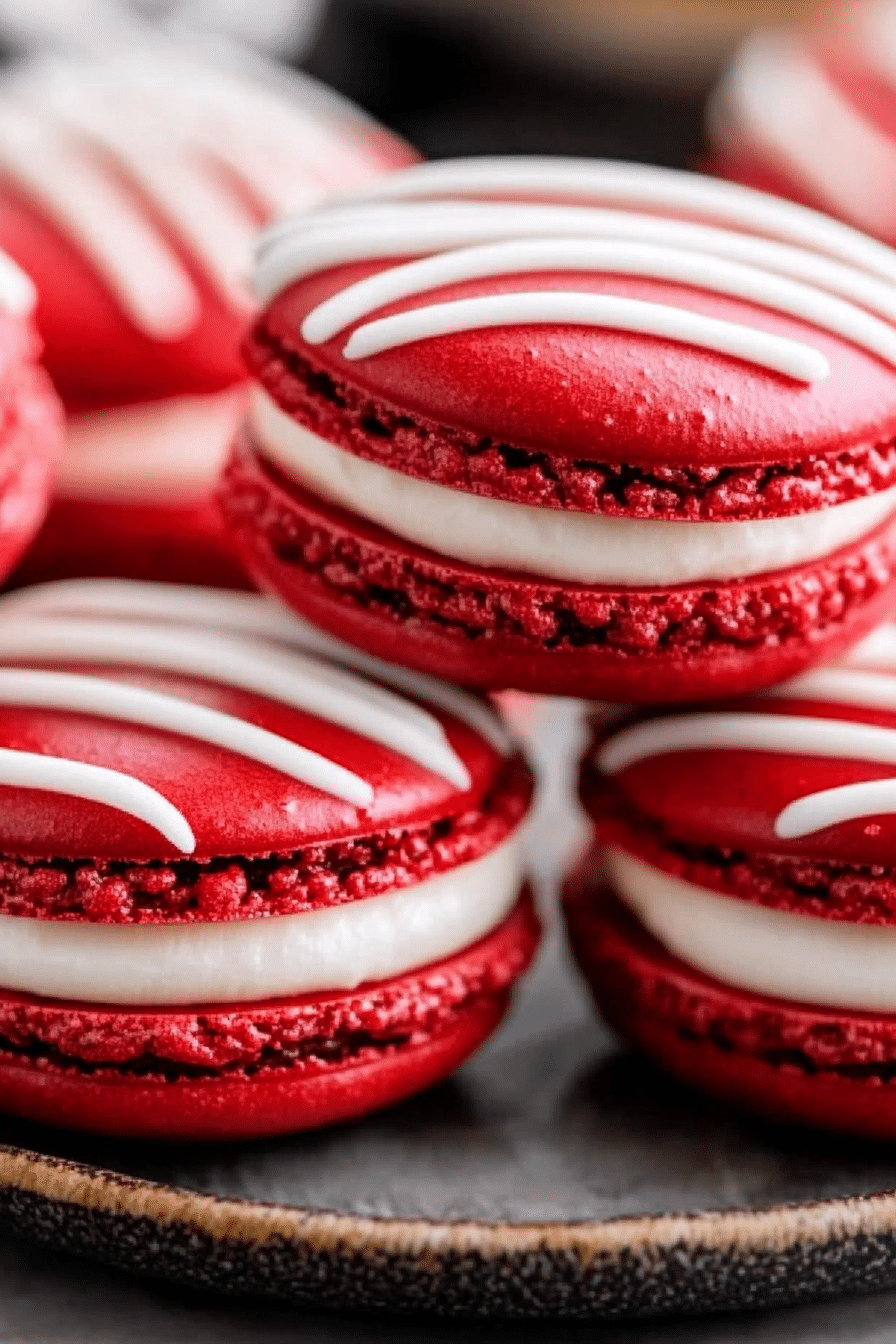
column 555, row 1176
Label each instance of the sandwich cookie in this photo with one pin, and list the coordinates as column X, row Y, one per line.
column 575, row 427
column 244, row 889
column 809, row 112
column 131, row 188
column 737, row 920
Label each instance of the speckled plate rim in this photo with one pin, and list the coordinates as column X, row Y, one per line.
column 648, row 1265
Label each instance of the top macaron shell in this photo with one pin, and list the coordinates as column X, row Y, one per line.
column 748, row 767
column 233, row 805
column 576, row 393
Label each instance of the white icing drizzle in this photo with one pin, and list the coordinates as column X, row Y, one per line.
column 778, row 353
column 633, row 187
column 793, row 735
column 780, row 734
column 55, row 774
column 96, row 211
column 98, row 626
column 131, row 147
column 719, row 275
column 848, row 802
column 249, row 665
column 725, row 240
column 17, row 293
column 252, row 615
column 133, row 704
column 339, row 235
column 876, row 650
column 840, row 686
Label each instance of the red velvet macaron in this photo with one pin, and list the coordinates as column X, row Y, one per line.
column 131, row 189
column 574, row 427
column 809, row 112
column 243, row 889
column 738, row 919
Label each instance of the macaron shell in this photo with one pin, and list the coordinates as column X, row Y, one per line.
column 730, row 797
column 235, row 805
column 598, row 394
column 95, row 353
column 368, row 1048
column 789, row 1062
column 495, row 629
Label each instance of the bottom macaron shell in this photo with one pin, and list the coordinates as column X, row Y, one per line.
column 30, row 446
column 246, row 1071
column 164, row 543
column 828, row 1068
column 493, row 629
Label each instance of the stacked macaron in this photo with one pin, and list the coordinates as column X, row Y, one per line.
column 131, row 188
column 810, row 113
column 574, row 427
column 738, row 921
column 243, row 889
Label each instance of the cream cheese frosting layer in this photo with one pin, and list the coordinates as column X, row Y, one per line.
column 554, row 543
column 248, row 960
column 788, row 956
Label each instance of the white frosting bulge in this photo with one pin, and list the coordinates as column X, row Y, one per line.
column 248, row 960
column 788, row 956
column 555, row 543
column 162, row 452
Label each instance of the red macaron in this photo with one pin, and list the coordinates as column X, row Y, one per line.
column 573, row 427
column 737, row 919
column 131, row 189
column 809, row 112
column 243, row 889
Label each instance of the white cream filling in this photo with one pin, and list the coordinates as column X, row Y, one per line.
column 788, row 956
column 169, row 451
column 335, row 948
column 555, row 543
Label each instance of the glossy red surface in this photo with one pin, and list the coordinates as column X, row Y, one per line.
column 258, row 1069
column 792, row 1062
column 729, row 798
column 601, row 395
column 235, row 806
column 311, row 877
column 495, row 629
